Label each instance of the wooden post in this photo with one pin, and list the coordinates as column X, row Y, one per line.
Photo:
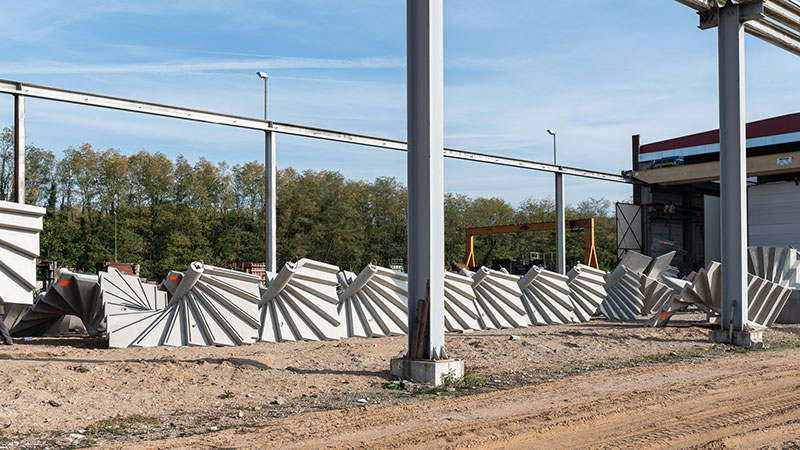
column 419, row 340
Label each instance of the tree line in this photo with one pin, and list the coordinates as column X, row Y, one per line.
column 161, row 213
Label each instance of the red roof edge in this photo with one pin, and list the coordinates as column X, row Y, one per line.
column 789, row 123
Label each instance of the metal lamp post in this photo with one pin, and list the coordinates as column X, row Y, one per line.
column 269, row 187
column 265, row 77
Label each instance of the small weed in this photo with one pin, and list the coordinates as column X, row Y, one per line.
column 227, row 394
column 117, row 425
column 450, row 378
column 471, row 380
column 422, row 390
column 397, row 385
column 312, row 387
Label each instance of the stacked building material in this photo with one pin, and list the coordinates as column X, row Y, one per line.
column 207, row 306
column 73, row 294
column 300, row 304
column 546, row 297
column 498, row 299
column 460, row 310
column 374, row 303
column 20, row 226
column 586, row 290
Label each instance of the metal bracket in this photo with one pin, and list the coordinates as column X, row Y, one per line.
column 708, row 19
column 751, row 11
column 747, row 11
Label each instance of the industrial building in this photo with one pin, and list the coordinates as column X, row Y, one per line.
column 679, row 206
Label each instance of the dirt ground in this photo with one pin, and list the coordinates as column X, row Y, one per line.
column 596, row 382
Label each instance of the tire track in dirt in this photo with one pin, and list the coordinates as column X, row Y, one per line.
column 741, row 400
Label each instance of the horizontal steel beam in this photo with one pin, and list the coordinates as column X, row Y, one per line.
column 532, row 165
column 785, row 12
column 774, row 34
column 178, row 112
column 697, row 5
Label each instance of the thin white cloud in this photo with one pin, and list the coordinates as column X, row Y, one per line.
column 496, row 64
column 61, row 68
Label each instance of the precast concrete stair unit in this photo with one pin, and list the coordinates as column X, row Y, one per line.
column 586, row 290
column 135, row 311
column 460, row 310
column 20, row 226
column 207, row 306
column 498, row 299
column 374, row 303
column 72, row 294
column 656, row 294
column 624, row 299
column 300, row 303
column 778, row 265
column 766, row 299
column 660, row 266
column 651, row 272
column 636, row 262
column 14, row 313
column 546, row 297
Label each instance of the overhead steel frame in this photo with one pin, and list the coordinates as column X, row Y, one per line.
column 774, row 21
column 21, row 90
column 429, row 169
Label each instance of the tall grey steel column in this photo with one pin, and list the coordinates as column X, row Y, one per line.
column 19, row 148
column 271, row 210
column 561, row 266
column 426, row 165
column 733, row 172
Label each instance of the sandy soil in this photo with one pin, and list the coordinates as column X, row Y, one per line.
column 56, row 387
column 744, row 401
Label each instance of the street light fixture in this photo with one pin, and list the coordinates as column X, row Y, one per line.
column 553, row 133
column 265, row 77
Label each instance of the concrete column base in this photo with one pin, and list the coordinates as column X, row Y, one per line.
column 429, row 372
column 749, row 339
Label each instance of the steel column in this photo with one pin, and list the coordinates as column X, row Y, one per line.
column 426, row 165
column 19, row 149
column 561, row 266
column 733, row 172
column 269, row 199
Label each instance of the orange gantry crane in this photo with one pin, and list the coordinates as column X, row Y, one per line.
column 590, row 255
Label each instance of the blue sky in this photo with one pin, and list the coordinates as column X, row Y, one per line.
column 596, row 72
